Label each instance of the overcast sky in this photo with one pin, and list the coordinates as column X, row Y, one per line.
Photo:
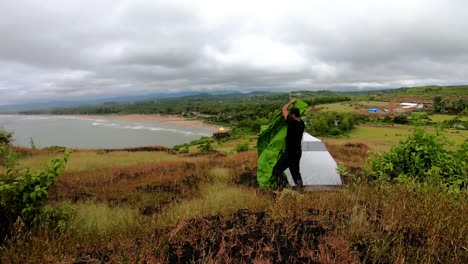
column 61, row 49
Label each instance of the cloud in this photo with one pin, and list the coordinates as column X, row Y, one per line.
column 77, row 49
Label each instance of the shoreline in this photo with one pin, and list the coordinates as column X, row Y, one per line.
column 170, row 119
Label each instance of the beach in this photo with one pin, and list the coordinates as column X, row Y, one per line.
column 171, row 119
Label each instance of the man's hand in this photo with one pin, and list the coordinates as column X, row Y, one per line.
column 284, row 110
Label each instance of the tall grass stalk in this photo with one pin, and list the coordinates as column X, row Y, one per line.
column 218, row 197
column 101, row 220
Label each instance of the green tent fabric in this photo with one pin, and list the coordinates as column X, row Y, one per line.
column 270, row 146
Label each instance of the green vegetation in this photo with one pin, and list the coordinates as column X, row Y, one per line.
column 338, row 107
column 199, row 203
column 424, row 158
column 330, row 123
column 91, row 219
column 439, row 118
column 454, row 106
column 24, row 193
column 327, row 99
column 244, row 146
column 428, row 91
column 96, row 160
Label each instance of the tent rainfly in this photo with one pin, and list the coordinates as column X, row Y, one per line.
column 318, row 168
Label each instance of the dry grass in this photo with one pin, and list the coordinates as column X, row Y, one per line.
column 93, row 219
column 377, row 138
column 97, row 160
column 351, row 154
column 191, row 209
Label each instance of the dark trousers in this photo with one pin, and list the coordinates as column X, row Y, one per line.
column 291, row 161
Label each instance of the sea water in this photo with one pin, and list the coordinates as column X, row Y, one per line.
column 95, row 133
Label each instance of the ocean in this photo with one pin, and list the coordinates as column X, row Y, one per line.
column 96, row 133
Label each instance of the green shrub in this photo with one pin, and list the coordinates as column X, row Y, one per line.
column 419, row 118
column 176, row 148
column 8, row 157
column 252, row 125
column 330, row 123
column 5, row 137
column 327, row 99
column 402, row 120
column 454, row 122
column 24, row 193
column 205, row 148
column 424, row 158
column 185, row 150
column 244, row 146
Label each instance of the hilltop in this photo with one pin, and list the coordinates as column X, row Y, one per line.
column 198, row 202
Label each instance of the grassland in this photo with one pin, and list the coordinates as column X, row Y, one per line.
column 424, row 93
column 97, row 160
column 168, row 207
column 350, row 107
column 439, row 118
column 184, row 208
column 381, row 137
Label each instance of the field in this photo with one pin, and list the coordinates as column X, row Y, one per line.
column 201, row 204
column 439, row 118
column 379, row 137
column 162, row 207
column 350, row 107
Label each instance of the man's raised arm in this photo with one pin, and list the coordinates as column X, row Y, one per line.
column 284, row 110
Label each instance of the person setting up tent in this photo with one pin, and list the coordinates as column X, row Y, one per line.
column 291, row 156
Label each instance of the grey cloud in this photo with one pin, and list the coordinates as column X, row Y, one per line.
column 73, row 49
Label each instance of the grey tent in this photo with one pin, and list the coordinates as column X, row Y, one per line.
column 318, row 168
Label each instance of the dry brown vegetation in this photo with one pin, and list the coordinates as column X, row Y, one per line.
column 196, row 210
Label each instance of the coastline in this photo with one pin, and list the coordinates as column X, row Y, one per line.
column 171, row 119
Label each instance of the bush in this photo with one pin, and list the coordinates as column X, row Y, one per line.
column 330, row 123
column 419, row 118
column 455, row 122
column 327, row 99
column 185, row 150
column 453, row 106
column 244, row 146
column 7, row 156
column 5, row 137
column 424, row 158
column 253, row 125
column 205, row 148
column 23, row 194
column 402, row 120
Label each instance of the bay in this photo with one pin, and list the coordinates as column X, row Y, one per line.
column 95, row 133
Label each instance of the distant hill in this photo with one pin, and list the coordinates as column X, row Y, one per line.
column 14, row 108
column 422, row 92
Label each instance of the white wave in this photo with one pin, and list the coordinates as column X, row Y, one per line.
column 151, row 128
column 36, row 118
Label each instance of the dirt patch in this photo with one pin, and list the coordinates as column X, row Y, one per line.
column 358, row 145
column 141, row 149
column 248, row 178
column 93, row 257
column 169, row 188
column 155, row 209
column 244, row 237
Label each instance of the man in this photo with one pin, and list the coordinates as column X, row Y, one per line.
column 293, row 150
